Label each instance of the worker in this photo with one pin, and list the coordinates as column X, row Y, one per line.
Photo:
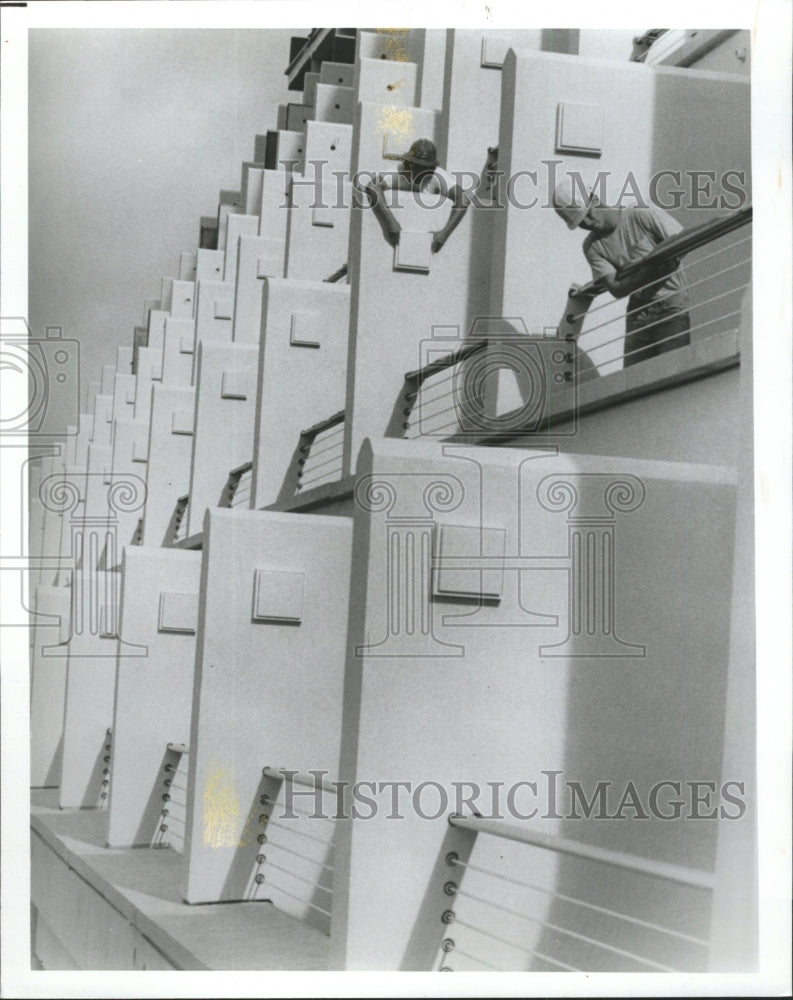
column 657, row 317
column 420, row 173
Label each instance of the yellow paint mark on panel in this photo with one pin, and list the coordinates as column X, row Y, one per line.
column 397, row 122
column 221, row 808
column 395, row 43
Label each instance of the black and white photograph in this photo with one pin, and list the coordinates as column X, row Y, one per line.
column 396, row 529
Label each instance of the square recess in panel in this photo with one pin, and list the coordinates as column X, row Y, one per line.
column 413, row 252
column 579, row 129
column 278, row 596
column 178, row 613
column 458, row 550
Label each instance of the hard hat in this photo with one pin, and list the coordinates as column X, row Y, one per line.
column 422, row 153
column 570, row 203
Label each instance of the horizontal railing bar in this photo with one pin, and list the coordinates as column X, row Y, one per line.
column 337, row 418
column 245, row 467
column 574, row 934
column 677, row 246
column 572, row 317
column 644, row 347
column 300, row 878
column 447, row 361
column 669, row 295
column 340, row 273
column 277, row 888
column 308, row 466
column 331, row 476
column 692, row 877
column 575, row 901
column 303, row 857
column 529, row 951
column 299, row 778
column 298, row 831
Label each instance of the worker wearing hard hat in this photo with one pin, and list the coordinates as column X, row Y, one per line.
column 657, row 318
column 422, row 173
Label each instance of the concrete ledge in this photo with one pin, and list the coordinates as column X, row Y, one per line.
column 142, row 888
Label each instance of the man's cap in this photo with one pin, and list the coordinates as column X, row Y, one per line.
column 422, row 153
column 571, row 203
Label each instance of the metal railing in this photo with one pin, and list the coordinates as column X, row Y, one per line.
column 716, row 282
column 439, row 405
column 177, row 531
column 337, row 275
column 237, row 491
column 294, row 860
column 578, row 934
column 320, row 453
column 172, row 819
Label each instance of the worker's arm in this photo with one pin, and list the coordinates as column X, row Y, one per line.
column 460, row 203
column 620, row 287
column 384, row 214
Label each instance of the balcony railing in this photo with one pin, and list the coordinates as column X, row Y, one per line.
column 320, row 452
column 497, row 919
column 237, row 491
column 718, row 272
column 294, row 859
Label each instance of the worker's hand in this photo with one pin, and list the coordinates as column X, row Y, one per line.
column 576, row 293
column 438, row 242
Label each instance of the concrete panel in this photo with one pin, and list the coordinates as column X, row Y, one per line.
column 168, row 464
column 123, row 397
column 393, row 312
column 239, row 225
column 48, row 685
column 319, row 227
column 184, row 297
column 333, row 104
column 96, row 936
column 336, row 74
column 281, row 685
column 386, row 82
column 289, row 150
column 124, row 360
column 297, row 115
column 251, row 188
column 330, row 144
column 187, row 266
column 103, row 416
column 472, row 93
column 214, row 311
column 224, row 422
column 272, row 216
column 149, row 372
column 159, row 599
column 166, row 292
column 156, row 325
column 258, row 257
column 298, row 386
column 177, row 353
column 427, row 48
column 209, row 265
column 551, row 678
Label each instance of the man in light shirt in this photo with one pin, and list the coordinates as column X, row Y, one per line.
column 657, row 317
